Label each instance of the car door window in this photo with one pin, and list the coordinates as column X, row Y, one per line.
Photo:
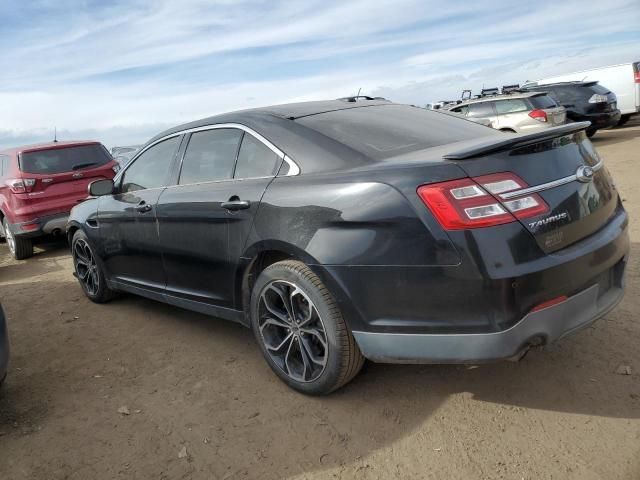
column 511, row 105
column 151, row 168
column 479, row 110
column 210, row 156
column 255, row 159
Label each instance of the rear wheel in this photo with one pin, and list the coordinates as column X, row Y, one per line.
column 88, row 270
column 591, row 132
column 300, row 330
column 623, row 119
column 19, row 247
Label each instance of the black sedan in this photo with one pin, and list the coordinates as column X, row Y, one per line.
column 339, row 231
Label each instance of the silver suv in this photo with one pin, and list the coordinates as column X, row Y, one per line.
column 514, row 112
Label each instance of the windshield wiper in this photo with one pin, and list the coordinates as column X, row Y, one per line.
column 78, row 166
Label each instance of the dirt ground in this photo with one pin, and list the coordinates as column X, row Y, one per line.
column 196, row 383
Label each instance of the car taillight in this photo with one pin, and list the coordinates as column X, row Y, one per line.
column 21, row 185
column 475, row 202
column 598, row 98
column 539, row 115
column 636, row 77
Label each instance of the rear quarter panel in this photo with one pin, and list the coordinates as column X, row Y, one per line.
column 351, row 219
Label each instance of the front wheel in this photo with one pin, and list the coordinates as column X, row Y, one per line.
column 300, row 330
column 88, row 270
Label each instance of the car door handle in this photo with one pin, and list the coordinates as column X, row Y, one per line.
column 235, row 205
column 143, row 207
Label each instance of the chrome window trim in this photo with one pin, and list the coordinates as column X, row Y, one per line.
column 546, row 186
column 294, row 169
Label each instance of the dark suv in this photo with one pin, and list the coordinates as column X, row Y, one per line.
column 584, row 101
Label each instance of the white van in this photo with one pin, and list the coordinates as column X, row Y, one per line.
column 623, row 80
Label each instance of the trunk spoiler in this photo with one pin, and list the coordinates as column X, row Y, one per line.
column 514, row 141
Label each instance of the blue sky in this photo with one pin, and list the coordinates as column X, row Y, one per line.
column 121, row 71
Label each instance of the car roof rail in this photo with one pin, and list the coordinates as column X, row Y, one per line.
column 510, row 88
column 485, row 92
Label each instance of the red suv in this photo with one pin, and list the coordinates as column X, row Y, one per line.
column 40, row 184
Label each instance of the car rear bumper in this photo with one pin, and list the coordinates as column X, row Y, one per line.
column 41, row 226
column 539, row 327
column 4, row 345
column 601, row 120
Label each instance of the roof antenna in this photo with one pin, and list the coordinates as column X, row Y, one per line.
column 358, row 92
column 55, row 134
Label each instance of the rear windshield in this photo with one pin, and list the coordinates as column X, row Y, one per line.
column 597, row 88
column 61, row 160
column 543, row 101
column 385, row 131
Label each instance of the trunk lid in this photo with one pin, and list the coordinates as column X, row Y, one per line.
column 58, row 178
column 563, row 163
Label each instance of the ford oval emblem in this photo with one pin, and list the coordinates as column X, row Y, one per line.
column 584, row 174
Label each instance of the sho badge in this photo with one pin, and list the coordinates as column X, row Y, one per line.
column 548, row 220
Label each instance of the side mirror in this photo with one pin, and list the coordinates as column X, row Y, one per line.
column 101, row 187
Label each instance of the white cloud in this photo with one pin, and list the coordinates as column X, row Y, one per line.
column 139, row 66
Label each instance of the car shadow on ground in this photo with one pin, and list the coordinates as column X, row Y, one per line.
column 201, row 382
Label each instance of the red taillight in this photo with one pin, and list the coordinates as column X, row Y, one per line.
column 549, row 303
column 539, row 115
column 636, row 77
column 21, row 185
column 475, row 203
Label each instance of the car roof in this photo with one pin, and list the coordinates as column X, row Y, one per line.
column 47, row 146
column 289, row 111
column 492, row 98
column 575, row 83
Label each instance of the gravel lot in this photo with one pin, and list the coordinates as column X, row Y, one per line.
column 202, row 403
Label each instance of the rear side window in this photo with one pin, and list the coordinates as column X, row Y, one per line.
column 210, row 156
column 67, row 159
column 542, row 102
column 511, row 105
column 461, row 110
column 255, row 159
column 480, row 110
column 385, row 131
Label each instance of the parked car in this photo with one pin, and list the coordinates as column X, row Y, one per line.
column 122, row 155
column 39, row 184
column 4, row 347
column 623, row 80
column 584, row 101
column 343, row 231
column 514, row 112
column 482, row 121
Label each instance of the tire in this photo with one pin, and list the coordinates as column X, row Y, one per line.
column 591, row 132
column 88, row 270
column 507, row 130
column 19, row 247
column 623, row 119
column 319, row 354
